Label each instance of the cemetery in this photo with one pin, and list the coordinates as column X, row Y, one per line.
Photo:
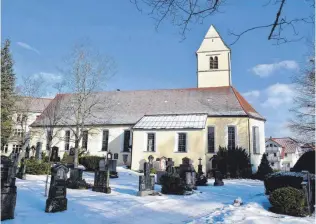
column 182, row 194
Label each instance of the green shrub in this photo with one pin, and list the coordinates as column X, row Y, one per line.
column 278, row 180
column 172, row 184
column 91, row 163
column 153, row 171
column 288, row 201
column 305, row 162
column 264, row 168
column 235, row 161
column 36, row 167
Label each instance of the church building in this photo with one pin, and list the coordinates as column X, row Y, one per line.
column 174, row 123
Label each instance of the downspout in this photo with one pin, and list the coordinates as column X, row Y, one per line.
column 132, row 148
column 249, row 143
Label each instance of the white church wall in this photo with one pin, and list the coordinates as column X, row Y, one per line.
column 256, row 158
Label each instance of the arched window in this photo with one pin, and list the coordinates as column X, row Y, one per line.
column 211, row 63
column 215, row 63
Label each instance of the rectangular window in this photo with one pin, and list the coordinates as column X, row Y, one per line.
column 115, row 155
column 5, row 148
column 17, row 132
column 285, row 154
column 16, row 148
column 275, row 154
column 211, row 139
column 255, row 140
column 85, row 139
column 151, row 142
column 182, row 142
column 49, row 137
column 231, row 137
column 105, row 140
column 127, row 137
column 67, row 140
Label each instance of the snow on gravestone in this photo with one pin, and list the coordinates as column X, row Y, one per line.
column 57, row 201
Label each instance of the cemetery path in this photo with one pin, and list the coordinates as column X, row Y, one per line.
column 208, row 204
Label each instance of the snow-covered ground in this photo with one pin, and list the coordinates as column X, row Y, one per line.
column 208, row 204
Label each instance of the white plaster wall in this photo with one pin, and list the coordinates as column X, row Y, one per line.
column 115, row 144
column 256, row 158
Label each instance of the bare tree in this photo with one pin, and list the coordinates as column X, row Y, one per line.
column 303, row 123
column 183, row 12
column 25, row 102
column 86, row 72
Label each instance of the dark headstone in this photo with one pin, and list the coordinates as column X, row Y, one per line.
column 38, row 153
column 57, row 201
column 201, row 179
column 54, row 154
column 218, row 178
column 112, row 164
column 187, row 174
column 8, row 188
column 151, row 162
column 27, row 152
column 75, row 180
column 146, row 182
column 308, row 193
column 22, row 170
column 102, row 178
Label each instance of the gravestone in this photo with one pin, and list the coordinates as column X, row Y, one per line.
column 161, row 169
column 54, row 154
column 102, row 178
column 308, row 194
column 22, row 170
column 187, row 174
column 146, row 182
column 27, row 152
column 218, row 178
column 151, row 162
column 8, row 188
column 38, row 153
column 201, row 179
column 70, row 159
column 112, row 164
column 57, row 201
column 170, row 166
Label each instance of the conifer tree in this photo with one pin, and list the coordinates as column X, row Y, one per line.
column 7, row 92
column 264, row 168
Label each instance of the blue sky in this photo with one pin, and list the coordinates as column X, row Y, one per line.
column 44, row 32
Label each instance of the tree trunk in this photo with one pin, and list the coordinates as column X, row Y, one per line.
column 47, row 175
column 76, row 159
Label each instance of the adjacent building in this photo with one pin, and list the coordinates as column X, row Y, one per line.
column 283, row 153
column 27, row 109
column 174, row 123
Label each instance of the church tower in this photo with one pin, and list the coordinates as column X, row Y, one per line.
column 213, row 61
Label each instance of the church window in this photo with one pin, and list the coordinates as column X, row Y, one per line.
column 182, row 142
column 255, row 140
column 17, row 148
column 211, row 63
column 210, row 139
column 231, row 137
column 105, row 140
column 67, row 140
column 150, row 142
column 85, row 140
column 215, row 63
column 127, row 138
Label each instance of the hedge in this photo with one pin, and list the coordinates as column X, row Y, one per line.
column 278, row 180
column 288, row 201
column 91, row 163
column 36, row 167
column 172, row 184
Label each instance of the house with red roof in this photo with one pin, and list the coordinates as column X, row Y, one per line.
column 283, row 153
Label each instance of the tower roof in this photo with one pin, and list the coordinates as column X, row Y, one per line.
column 212, row 42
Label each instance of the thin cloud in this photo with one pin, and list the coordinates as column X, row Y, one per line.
column 266, row 70
column 48, row 77
column 251, row 96
column 278, row 94
column 28, row 47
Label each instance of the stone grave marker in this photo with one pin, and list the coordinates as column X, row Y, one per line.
column 146, row 182
column 170, row 166
column 151, row 162
column 161, row 170
column 38, row 153
column 54, row 154
column 57, row 200
column 22, row 170
column 218, row 178
column 27, row 152
column 70, row 159
column 8, row 188
column 102, row 178
column 201, row 179
column 112, row 164
column 187, row 173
